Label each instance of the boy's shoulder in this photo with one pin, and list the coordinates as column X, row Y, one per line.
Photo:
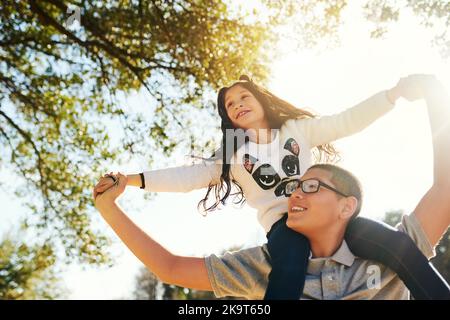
column 410, row 225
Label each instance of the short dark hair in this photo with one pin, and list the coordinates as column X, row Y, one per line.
column 344, row 181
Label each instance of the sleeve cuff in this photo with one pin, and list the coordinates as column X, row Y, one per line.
column 212, row 278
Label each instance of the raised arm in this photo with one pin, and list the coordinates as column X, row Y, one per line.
column 175, row 179
column 328, row 128
column 184, row 178
column 188, row 272
column 433, row 210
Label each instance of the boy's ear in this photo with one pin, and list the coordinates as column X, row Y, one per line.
column 349, row 207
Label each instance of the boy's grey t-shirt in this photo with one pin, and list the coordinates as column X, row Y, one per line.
column 343, row 276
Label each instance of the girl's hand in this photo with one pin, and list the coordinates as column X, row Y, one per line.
column 104, row 183
column 415, row 86
column 110, row 195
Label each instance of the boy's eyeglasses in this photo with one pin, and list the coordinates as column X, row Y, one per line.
column 309, row 186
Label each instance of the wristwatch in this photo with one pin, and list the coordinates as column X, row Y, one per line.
column 142, row 180
column 112, row 177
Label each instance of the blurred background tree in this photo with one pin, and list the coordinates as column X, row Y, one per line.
column 313, row 23
column 28, row 272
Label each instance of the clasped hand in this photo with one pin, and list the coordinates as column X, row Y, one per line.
column 107, row 190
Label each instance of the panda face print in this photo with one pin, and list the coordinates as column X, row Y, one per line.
column 292, row 146
column 249, row 162
column 290, row 165
column 267, row 177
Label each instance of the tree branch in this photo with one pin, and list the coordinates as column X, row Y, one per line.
column 111, row 50
column 11, row 85
column 27, row 138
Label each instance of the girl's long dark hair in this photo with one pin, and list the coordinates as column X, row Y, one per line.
column 277, row 111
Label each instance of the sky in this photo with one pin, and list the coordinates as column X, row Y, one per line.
column 392, row 158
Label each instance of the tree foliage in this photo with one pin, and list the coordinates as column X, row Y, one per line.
column 317, row 22
column 28, row 271
column 431, row 13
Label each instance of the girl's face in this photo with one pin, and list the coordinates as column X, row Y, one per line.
column 244, row 110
